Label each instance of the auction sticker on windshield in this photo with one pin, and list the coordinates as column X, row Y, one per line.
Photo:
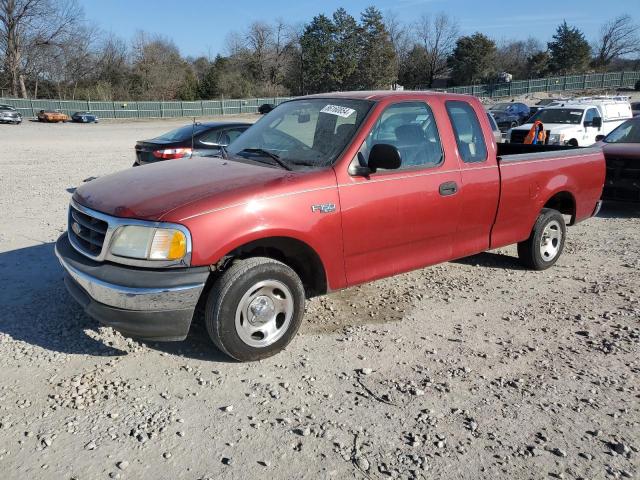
column 343, row 112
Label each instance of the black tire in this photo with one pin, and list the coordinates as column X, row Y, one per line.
column 228, row 291
column 530, row 251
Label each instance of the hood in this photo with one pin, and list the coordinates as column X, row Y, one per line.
column 152, row 191
column 621, row 150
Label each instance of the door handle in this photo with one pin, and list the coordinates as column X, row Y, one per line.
column 448, row 188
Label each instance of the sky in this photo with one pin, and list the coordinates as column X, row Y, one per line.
column 199, row 27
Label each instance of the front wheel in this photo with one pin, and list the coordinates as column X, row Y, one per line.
column 546, row 242
column 255, row 308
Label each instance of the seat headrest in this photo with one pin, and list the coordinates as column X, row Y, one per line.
column 410, row 133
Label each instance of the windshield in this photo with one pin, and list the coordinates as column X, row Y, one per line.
column 305, row 132
column 180, row 134
column 628, row 132
column 6, row 107
column 558, row 115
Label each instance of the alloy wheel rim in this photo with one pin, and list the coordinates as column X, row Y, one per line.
column 264, row 313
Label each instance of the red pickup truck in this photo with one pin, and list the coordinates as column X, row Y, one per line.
column 323, row 193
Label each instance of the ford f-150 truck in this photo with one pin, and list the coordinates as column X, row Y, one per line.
column 322, row 193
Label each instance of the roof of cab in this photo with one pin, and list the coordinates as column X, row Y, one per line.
column 377, row 95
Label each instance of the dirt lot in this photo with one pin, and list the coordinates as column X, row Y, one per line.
column 473, row 369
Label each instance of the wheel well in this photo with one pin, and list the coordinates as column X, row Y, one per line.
column 573, row 142
column 564, row 203
column 294, row 253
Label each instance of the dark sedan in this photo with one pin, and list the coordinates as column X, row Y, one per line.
column 84, row 117
column 194, row 140
column 622, row 153
column 510, row 115
column 9, row 114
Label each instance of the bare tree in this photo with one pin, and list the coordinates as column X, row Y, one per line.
column 400, row 38
column 513, row 55
column 159, row 70
column 618, row 37
column 29, row 25
column 438, row 36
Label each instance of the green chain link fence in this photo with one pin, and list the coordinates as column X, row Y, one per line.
column 204, row 108
column 591, row 81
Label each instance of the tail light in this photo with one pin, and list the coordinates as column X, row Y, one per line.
column 172, row 153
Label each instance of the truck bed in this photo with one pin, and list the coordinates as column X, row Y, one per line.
column 532, row 175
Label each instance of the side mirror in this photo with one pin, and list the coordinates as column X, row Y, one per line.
column 384, row 156
column 600, row 138
column 597, row 122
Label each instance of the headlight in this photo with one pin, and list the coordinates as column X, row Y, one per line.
column 556, row 139
column 149, row 243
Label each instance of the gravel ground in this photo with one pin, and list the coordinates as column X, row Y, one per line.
column 472, row 369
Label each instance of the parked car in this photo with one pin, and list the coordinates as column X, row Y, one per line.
column 509, row 115
column 576, row 122
column 51, row 116
column 9, row 114
column 324, row 193
column 497, row 134
column 622, row 154
column 198, row 139
column 84, row 117
column 635, row 108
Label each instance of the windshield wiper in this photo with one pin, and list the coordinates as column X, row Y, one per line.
column 267, row 153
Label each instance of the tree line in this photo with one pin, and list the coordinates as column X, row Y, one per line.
column 49, row 50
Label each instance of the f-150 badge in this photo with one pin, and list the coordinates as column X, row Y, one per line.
column 324, row 208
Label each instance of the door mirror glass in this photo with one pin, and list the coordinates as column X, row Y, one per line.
column 597, row 122
column 384, row 156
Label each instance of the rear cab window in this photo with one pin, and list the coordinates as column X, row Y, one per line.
column 412, row 129
column 468, row 131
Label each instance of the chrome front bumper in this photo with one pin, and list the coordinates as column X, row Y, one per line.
column 175, row 297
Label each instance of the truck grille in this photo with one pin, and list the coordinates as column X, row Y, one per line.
column 623, row 168
column 87, row 233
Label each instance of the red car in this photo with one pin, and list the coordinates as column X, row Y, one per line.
column 622, row 154
column 323, row 193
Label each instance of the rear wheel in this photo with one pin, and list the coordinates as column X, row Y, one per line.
column 255, row 308
column 546, row 242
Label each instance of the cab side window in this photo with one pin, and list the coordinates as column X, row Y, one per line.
column 590, row 115
column 468, row 132
column 411, row 128
column 210, row 138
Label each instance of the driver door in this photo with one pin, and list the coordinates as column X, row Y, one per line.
column 590, row 131
column 399, row 220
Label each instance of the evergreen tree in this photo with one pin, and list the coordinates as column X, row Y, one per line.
column 210, row 84
column 570, row 52
column 318, row 47
column 473, row 59
column 413, row 71
column 345, row 55
column 376, row 68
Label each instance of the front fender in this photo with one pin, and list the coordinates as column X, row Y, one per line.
column 216, row 234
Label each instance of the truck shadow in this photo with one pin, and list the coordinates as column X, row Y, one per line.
column 612, row 209
column 492, row 260
column 36, row 309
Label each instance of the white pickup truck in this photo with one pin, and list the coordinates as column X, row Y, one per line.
column 576, row 122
